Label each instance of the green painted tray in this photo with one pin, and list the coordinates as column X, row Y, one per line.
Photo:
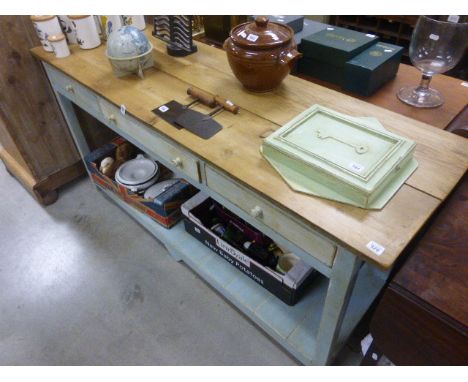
column 352, row 160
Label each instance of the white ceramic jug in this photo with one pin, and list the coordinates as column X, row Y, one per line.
column 46, row 26
column 87, row 33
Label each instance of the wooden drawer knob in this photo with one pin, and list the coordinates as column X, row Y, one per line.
column 256, row 212
column 177, row 162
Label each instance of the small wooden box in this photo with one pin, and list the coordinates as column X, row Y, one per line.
column 338, row 157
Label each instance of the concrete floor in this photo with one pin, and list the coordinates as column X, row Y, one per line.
column 82, row 284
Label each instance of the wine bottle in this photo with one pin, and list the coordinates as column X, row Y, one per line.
column 260, row 254
column 227, row 232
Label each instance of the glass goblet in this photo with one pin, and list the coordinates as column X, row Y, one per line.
column 437, row 45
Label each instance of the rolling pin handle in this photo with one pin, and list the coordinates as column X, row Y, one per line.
column 204, row 97
column 227, row 104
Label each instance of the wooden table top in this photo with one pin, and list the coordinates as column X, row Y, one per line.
column 453, row 89
column 442, row 157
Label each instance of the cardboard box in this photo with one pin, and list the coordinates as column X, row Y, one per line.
column 288, row 287
column 165, row 209
column 371, row 69
column 335, row 45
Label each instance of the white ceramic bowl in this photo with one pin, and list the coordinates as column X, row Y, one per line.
column 140, row 187
column 136, row 171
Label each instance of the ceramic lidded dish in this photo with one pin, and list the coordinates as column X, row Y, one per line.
column 137, row 174
column 45, row 26
column 338, row 157
column 261, row 53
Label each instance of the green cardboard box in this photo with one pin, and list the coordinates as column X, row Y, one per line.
column 321, row 70
column 371, row 69
column 336, row 45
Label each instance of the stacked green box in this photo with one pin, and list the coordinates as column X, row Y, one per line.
column 370, row 70
column 354, row 60
column 326, row 52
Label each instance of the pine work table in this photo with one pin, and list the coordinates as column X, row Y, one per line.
column 331, row 236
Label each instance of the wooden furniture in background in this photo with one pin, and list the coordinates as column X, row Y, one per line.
column 217, row 28
column 453, row 89
column 35, row 143
column 422, row 318
column 395, row 30
column 392, row 29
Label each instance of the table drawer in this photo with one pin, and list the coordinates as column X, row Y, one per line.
column 278, row 220
column 74, row 91
column 149, row 140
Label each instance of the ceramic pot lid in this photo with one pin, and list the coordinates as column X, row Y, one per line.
column 154, row 191
column 261, row 34
column 136, row 171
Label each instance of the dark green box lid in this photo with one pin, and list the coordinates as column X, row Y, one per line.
column 336, row 45
column 376, row 55
column 371, row 69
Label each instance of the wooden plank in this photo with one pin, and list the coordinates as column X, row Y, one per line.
column 24, row 176
column 61, row 177
column 20, row 172
column 443, row 158
column 9, row 145
column 27, row 105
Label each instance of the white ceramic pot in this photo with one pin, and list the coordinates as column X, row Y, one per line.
column 68, row 29
column 59, row 45
column 139, row 187
column 46, row 26
column 136, row 21
column 137, row 174
column 97, row 20
column 113, row 22
column 286, row 262
column 87, row 33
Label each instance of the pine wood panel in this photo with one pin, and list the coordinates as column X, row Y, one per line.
column 27, row 104
column 9, row 145
column 443, row 158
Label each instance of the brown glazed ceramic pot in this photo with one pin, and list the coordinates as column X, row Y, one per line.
column 261, row 53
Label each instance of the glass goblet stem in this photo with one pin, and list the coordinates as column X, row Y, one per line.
column 424, row 84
